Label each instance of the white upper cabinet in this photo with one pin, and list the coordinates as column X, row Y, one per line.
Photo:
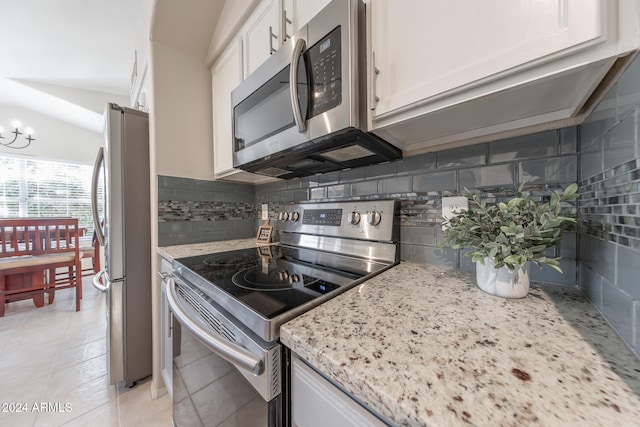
column 271, row 24
column 449, row 71
column 299, row 12
column 226, row 75
column 262, row 35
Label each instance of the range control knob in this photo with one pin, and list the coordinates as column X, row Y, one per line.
column 374, row 218
column 353, row 217
column 295, row 216
column 283, row 275
column 283, row 216
column 294, row 278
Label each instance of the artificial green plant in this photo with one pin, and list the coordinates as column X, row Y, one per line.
column 512, row 233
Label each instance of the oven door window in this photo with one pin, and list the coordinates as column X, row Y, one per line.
column 267, row 111
column 209, row 391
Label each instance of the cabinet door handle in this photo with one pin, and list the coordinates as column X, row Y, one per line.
column 373, row 72
column 285, row 21
column 271, row 37
column 166, row 278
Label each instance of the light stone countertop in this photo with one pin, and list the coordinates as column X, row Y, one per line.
column 422, row 345
column 183, row 251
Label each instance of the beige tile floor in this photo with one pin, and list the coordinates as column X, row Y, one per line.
column 53, row 369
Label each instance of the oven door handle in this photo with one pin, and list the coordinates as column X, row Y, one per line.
column 232, row 353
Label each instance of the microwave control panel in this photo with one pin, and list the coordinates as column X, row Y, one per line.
column 326, row 77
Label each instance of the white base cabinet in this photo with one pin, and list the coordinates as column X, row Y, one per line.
column 166, row 340
column 454, row 70
column 316, row 402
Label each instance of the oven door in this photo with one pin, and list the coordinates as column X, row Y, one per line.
column 221, row 377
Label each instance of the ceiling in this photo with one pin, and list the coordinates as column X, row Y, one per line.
column 89, row 45
column 86, row 44
column 81, row 44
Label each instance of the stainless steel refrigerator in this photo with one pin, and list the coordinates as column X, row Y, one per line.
column 125, row 232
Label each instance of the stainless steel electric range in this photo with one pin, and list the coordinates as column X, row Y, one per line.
column 229, row 367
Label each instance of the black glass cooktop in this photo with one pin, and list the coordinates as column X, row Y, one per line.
column 272, row 280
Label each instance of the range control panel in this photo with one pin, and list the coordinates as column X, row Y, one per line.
column 322, row 217
column 365, row 220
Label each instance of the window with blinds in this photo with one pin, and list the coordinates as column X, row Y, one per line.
column 37, row 188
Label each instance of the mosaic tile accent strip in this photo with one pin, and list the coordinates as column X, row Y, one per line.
column 186, row 210
column 610, row 205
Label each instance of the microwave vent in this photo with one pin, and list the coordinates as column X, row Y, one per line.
column 275, row 172
column 345, row 154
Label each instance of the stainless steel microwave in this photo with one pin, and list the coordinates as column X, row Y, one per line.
column 303, row 111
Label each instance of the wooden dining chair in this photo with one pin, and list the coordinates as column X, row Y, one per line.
column 90, row 249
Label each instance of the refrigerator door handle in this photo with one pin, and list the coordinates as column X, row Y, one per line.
column 97, row 281
column 94, row 196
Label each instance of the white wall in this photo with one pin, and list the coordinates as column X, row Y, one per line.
column 54, row 139
column 181, row 144
column 181, row 122
column 60, row 135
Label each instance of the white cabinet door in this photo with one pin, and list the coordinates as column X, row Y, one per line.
column 425, row 49
column 316, row 402
column 261, row 35
column 226, row 75
column 299, row 12
column 166, row 340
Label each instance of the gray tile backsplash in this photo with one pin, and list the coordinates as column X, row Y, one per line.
column 618, row 308
column 436, row 181
column 568, row 140
column 619, row 144
column 560, row 169
column 609, row 210
column 488, row 176
column 524, row 147
column 194, row 211
column 420, row 182
column 473, row 155
column 400, row 184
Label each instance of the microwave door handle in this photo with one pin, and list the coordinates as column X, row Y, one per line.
column 94, row 196
column 293, row 83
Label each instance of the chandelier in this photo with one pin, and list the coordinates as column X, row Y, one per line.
column 28, row 131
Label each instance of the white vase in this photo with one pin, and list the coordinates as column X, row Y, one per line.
column 503, row 282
